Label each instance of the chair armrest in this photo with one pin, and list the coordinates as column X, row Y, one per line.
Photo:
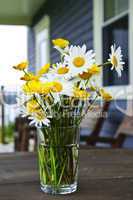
column 93, row 139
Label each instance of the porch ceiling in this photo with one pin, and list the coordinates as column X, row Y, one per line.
column 19, row 12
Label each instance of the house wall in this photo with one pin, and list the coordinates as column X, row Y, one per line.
column 69, row 19
column 72, row 20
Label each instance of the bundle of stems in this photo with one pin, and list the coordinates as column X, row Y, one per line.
column 59, row 143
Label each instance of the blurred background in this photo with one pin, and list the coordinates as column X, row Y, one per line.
column 26, row 31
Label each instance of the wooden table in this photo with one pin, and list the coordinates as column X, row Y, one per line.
column 103, row 175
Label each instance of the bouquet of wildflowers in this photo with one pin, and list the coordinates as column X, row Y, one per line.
column 72, row 79
column 57, row 98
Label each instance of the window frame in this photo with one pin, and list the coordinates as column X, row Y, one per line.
column 43, row 24
column 98, row 24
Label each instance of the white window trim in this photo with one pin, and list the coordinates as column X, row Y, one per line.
column 119, row 92
column 44, row 23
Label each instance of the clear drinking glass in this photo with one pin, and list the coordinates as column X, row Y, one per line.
column 58, row 159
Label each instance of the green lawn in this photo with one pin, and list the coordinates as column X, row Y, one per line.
column 9, row 133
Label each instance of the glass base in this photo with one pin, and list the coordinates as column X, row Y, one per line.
column 64, row 189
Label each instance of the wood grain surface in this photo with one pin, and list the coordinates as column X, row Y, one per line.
column 104, row 174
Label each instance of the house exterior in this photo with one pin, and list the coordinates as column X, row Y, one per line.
column 98, row 24
column 64, row 18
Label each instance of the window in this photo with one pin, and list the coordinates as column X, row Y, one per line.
column 115, row 30
column 42, row 47
column 112, row 23
column 114, row 7
column 42, row 42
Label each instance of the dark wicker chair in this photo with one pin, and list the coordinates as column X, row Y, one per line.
column 23, row 134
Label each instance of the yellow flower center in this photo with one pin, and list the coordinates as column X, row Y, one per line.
column 57, row 87
column 94, row 70
column 32, row 106
column 62, row 70
column 114, row 60
column 40, row 115
column 79, row 61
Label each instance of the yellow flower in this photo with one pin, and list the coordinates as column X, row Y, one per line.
column 80, row 93
column 93, row 70
column 39, row 87
column 29, row 77
column 32, row 106
column 53, row 86
column 21, row 66
column 105, row 95
column 44, row 69
column 32, row 87
column 46, row 87
column 59, row 42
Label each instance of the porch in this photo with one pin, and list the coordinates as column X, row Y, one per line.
column 47, row 19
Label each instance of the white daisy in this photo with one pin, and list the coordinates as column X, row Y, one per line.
column 116, row 59
column 59, row 70
column 22, row 99
column 24, row 111
column 39, row 121
column 67, row 88
column 38, row 118
column 78, row 60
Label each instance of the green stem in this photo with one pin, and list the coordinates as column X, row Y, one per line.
column 43, row 163
column 88, row 109
column 38, row 102
column 104, row 64
column 25, row 73
column 42, row 172
column 62, row 172
column 53, row 166
column 86, row 82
